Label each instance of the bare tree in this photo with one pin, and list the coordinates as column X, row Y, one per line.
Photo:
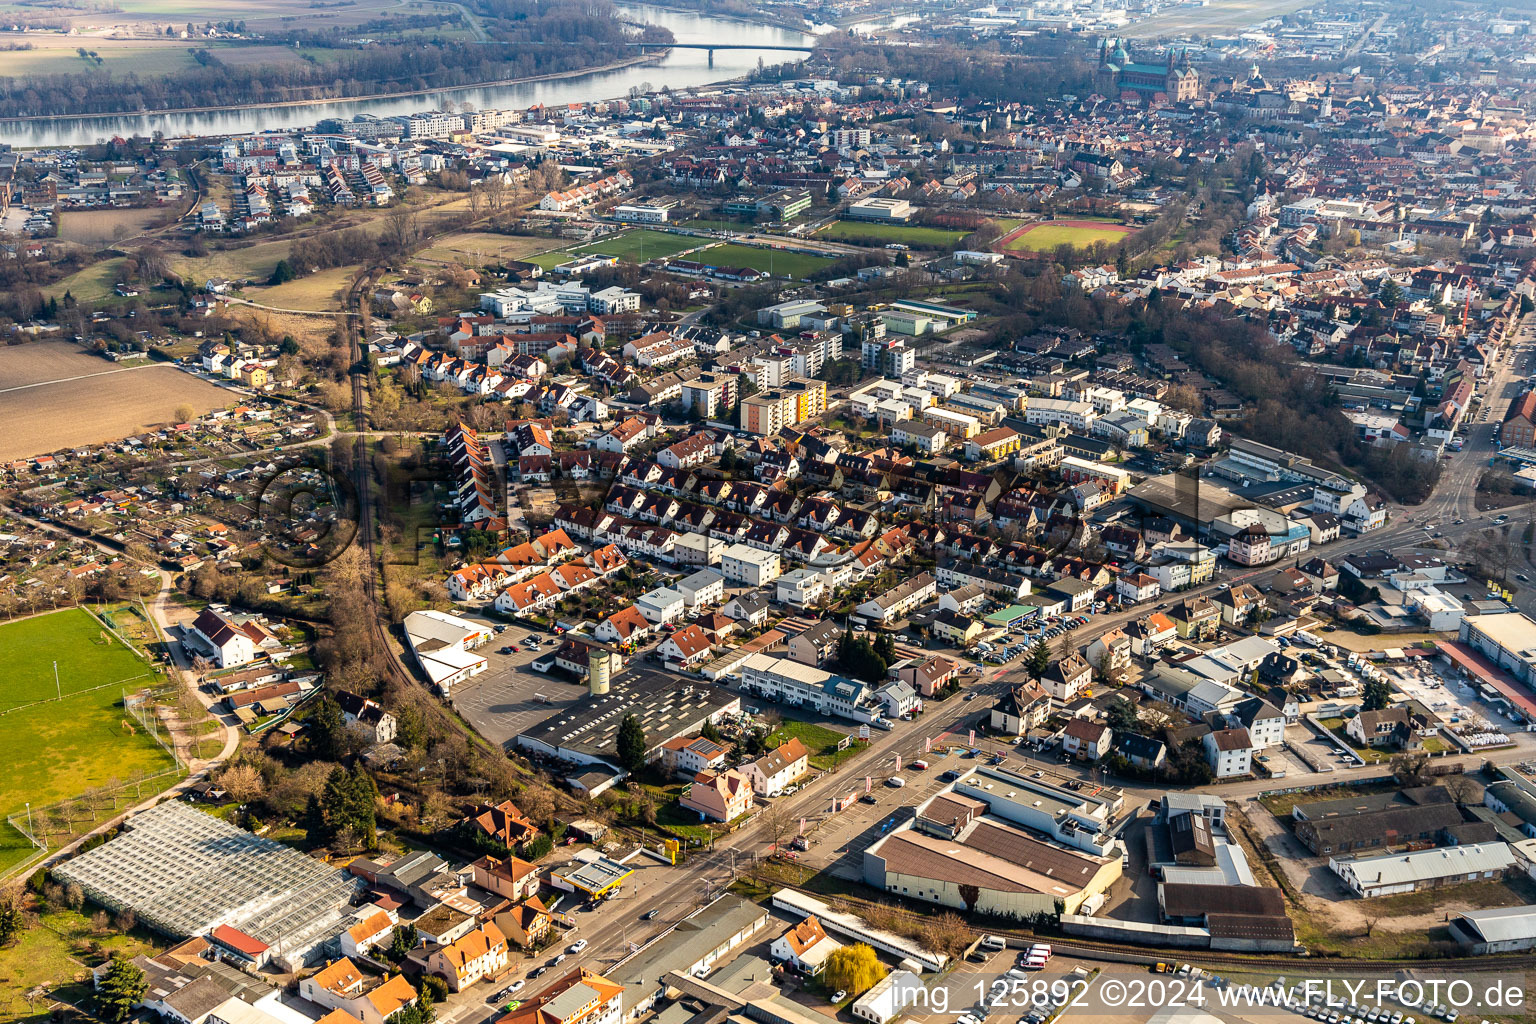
column 400, row 227
column 1463, row 789
column 775, row 820
column 495, row 188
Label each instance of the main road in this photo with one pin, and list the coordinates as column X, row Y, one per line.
column 841, row 836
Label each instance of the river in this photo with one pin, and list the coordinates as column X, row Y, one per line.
column 680, row 69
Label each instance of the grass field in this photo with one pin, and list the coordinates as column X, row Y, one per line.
column 1048, row 235
column 46, row 417
column 321, row 290
column 910, row 234
column 479, row 247
column 639, row 245
column 818, row 739
column 50, row 955
column 93, row 284
column 59, row 749
column 100, row 227
column 774, row 261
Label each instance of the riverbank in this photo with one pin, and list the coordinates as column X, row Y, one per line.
column 649, row 57
column 678, row 68
column 761, row 18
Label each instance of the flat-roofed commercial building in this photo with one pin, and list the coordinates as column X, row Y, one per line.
column 958, row 855
column 880, row 208
column 1509, row 641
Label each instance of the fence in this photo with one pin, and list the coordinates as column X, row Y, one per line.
column 62, row 821
column 142, row 711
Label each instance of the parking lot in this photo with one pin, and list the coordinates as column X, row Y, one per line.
column 509, row 697
column 1019, row 640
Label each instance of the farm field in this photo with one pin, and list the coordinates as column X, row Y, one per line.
column 59, row 749
column 775, row 261
column 54, row 54
column 321, row 290
column 1045, row 236
column 45, row 417
column 101, row 227
column 910, row 234
column 49, row 360
column 148, row 18
column 477, row 247
column 255, row 56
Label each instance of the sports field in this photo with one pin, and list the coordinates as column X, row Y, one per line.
column 775, row 261
column 57, row 749
column 639, row 245
column 1046, row 236
column 634, row 246
column 479, row 247
column 856, row 231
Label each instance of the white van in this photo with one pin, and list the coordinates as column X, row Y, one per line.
column 993, row 943
column 896, row 781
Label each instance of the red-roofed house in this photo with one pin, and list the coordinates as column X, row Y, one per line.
column 513, row 877
column 688, row 646
column 461, row 963
column 625, row 624
column 502, row 823
column 373, row 930
column 719, row 797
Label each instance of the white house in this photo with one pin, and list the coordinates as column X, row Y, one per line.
column 750, row 566
column 702, row 589
column 1264, row 723
column 661, row 605
column 801, row 587
column 371, row 931
column 232, row 639
column 806, row 947
column 1137, row 587
column 1229, row 752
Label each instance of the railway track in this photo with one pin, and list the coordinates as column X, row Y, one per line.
column 361, row 464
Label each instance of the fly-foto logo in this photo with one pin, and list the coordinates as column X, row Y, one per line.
column 307, row 513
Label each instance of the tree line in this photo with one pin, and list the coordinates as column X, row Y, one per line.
column 531, row 37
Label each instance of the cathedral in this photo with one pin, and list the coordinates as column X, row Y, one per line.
column 1170, row 82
